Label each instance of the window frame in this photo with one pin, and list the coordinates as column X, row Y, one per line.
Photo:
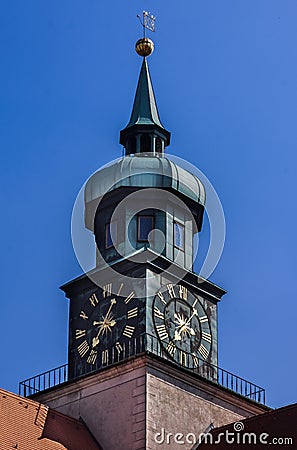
column 179, row 224
column 109, row 224
column 140, row 216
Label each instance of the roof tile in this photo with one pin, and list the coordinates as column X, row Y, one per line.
column 29, row 425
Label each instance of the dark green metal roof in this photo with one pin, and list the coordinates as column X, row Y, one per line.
column 145, row 111
column 143, row 171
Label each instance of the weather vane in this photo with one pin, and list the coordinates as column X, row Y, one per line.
column 147, row 22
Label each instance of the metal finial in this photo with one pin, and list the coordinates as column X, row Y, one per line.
column 147, row 22
column 145, row 46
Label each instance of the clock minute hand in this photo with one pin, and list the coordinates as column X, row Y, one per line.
column 195, row 313
column 113, row 302
column 102, row 323
column 183, row 326
column 184, row 323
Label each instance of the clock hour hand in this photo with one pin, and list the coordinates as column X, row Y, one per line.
column 185, row 329
column 102, row 325
column 95, row 341
column 105, row 324
column 177, row 336
column 180, row 324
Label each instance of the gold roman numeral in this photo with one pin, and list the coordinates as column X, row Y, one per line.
column 195, row 302
column 105, row 357
column 195, row 361
column 158, row 313
column 203, row 319
column 92, row 357
column 170, row 290
column 183, row 293
column 94, row 300
column 162, row 332
column 83, row 348
column 80, row 333
column 161, row 297
column 171, row 348
column 129, row 298
column 206, row 337
column 128, row 331
column 107, row 290
column 120, row 288
column 83, row 315
column 203, row 351
column 119, row 347
column 182, row 358
column 133, row 312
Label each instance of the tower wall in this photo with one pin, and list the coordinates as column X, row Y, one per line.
column 133, row 405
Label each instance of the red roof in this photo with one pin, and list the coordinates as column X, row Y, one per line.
column 29, row 425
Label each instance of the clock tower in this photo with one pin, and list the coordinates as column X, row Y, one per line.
column 142, row 355
column 143, row 295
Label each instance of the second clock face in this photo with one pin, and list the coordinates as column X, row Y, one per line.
column 105, row 326
column 182, row 325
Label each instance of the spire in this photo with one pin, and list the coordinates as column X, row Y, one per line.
column 144, row 110
column 144, row 132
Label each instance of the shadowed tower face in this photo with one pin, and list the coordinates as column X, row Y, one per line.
column 142, row 350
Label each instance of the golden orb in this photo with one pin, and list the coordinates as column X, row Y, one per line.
column 144, row 47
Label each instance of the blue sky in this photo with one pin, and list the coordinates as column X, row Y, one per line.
column 224, row 74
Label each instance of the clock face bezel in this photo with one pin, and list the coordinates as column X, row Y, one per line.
column 105, row 327
column 183, row 326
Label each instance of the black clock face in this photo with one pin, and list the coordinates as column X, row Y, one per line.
column 182, row 325
column 105, row 326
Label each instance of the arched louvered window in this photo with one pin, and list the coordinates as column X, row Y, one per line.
column 145, row 143
column 158, row 145
column 131, row 145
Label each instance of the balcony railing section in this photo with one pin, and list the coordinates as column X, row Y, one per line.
column 44, row 381
column 140, row 345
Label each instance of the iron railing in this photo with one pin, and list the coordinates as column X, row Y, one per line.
column 140, row 345
column 45, row 380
